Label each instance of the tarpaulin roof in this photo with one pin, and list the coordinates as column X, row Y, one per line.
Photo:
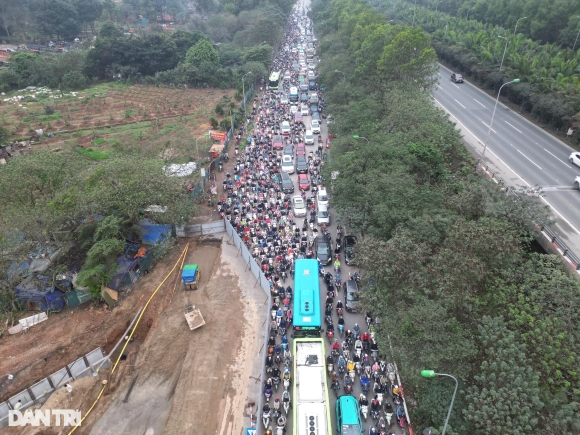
column 124, row 264
column 153, row 233
column 37, row 290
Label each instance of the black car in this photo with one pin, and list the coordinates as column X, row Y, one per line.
column 456, row 78
column 287, row 184
column 348, row 245
column 323, row 250
column 301, row 164
column 351, row 296
column 312, row 85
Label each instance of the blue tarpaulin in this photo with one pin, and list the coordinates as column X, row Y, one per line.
column 124, row 264
column 38, row 290
column 153, row 233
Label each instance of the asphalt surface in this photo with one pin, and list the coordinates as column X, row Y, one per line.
column 522, row 153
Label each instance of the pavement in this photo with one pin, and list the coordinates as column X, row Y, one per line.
column 522, row 153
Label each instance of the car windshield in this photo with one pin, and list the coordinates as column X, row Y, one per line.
column 298, row 203
column 309, row 136
column 323, row 198
column 352, row 296
column 350, row 429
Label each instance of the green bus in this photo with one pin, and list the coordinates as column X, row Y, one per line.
column 311, row 403
column 274, row 80
column 348, row 420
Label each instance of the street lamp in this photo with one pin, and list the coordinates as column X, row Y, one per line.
column 360, row 137
column 576, row 37
column 507, row 42
column 432, row 374
column 493, row 115
column 244, row 93
column 343, row 74
column 196, row 147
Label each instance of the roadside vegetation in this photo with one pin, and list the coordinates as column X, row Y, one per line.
column 546, row 63
column 446, row 256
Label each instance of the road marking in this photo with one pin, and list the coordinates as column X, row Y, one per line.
column 558, row 158
column 479, row 103
column 459, row 103
column 527, row 158
column 455, row 85
column 489, row 127
column 513, row 127
column 439, row 87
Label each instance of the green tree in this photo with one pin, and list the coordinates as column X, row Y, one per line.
column 60, row 18
column 109, row 30
column 74, row 80
column 88, row 12
column 259, row 53
column 202, row 51
column 506, row 396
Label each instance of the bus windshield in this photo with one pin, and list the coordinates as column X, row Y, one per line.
column 307, row 320
column 274, row 80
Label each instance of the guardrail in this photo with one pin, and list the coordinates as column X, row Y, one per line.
column 565, row 251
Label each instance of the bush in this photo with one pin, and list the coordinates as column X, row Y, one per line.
column 219, row 110
column 74, row 80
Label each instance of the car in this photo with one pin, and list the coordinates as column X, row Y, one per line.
column 310, row 75
column 323, row 217
column 278, row 142
column 304, row 97
column 299, row 206
column 309, row 137
column 287, row 183
column 315, row 126
column 574, row 158
column 311, row 66
column 322, row 197
column 301, row 164
column 348, row 243
column 315, row 115
column 298, row 117
column 287, row 164
column 285, row 127
column 288, row 151
column 294, row 63
column 300, row 149
column 323, row 250
column 456, row 78
column 287, row 76
column 348, row 416
column 303, row 183
column 293, row 109
column 284, row 99
column 312, row 85
column 305, row 110
column 577, row 183
column 303, row 87
column 351, row 296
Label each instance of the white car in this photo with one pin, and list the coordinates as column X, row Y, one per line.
column 293, row 109
column 285, row 127
column 322, row 198
column 323, row 217
column 287, row 76
column 311, row 66
column 284, row 99
column 311, row 75
column 574, row 158
column 315, row 126
column 309, row 137
column 287, row 164
column 577, row 183
column 299, row 206
column 305, row 110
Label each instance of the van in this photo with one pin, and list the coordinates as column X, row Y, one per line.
column 348, row 419
column 322, row 198
column 323, row 218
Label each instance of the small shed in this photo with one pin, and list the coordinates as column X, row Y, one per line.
column 39, row 294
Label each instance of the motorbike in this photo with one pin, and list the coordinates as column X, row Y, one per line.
column 336, row 388
column 352, row 374
column 364, row 410
column 286, row 401
column 268, row 391
column 340, row 329
column 276, row 411
column 375, row 415
column 401, row 416
column 281, row 425
column 391, row 372
column 382, row 425
column 347, row 384
column 358, row 367
column 365, row 383
column 266, row 416
column 276, row 382
column 389, row 417
column 330, row 335
column 330, row 368
column 369, row 320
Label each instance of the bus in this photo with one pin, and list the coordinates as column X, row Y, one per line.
column 311, row 403
column 274, row 80
column 307, row 321
column 348, row 421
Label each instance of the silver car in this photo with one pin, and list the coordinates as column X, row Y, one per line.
column 299, row 206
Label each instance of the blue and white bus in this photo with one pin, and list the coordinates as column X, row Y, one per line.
column 311, row 403
column 307, row 321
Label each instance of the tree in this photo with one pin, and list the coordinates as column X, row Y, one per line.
column 259, row 53
column 409, row 58
column 111, row 8
column 506, row 396
column 109, row 30
column 88, row 12
column 185, row 40
column 60, row 18
column 202, row 52
column 74, row 80
column 13, row 14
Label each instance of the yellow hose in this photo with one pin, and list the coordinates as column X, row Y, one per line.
column 182, row 259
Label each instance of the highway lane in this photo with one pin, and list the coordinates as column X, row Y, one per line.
column 516, row 147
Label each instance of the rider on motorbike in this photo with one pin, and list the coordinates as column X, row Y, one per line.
column 356, row 330
column 330, row 327
column 363, row 400
column 375, row 407
column 336, row 345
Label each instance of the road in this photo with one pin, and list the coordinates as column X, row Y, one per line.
column 350, row 318
column 522, row 153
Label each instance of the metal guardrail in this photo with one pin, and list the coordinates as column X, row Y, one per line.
column 545, row 229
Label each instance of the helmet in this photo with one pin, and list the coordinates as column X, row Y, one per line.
column 356, row 325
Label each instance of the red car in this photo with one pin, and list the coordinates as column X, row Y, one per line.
column 300, row 149
column 278, row 143
column 303, row 182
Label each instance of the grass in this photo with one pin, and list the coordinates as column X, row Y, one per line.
column 43, row 118
column 99, row 141
column 92, row 153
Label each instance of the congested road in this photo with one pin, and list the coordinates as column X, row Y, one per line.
column 281, row 101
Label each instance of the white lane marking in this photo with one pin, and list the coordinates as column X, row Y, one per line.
column 459, row 103
column 455, row 85
column 558, row 158
column 489, row 127
column 513, row 127
column 527, row 158
column 510, row 168
column 479, row 103
column 439, row 87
